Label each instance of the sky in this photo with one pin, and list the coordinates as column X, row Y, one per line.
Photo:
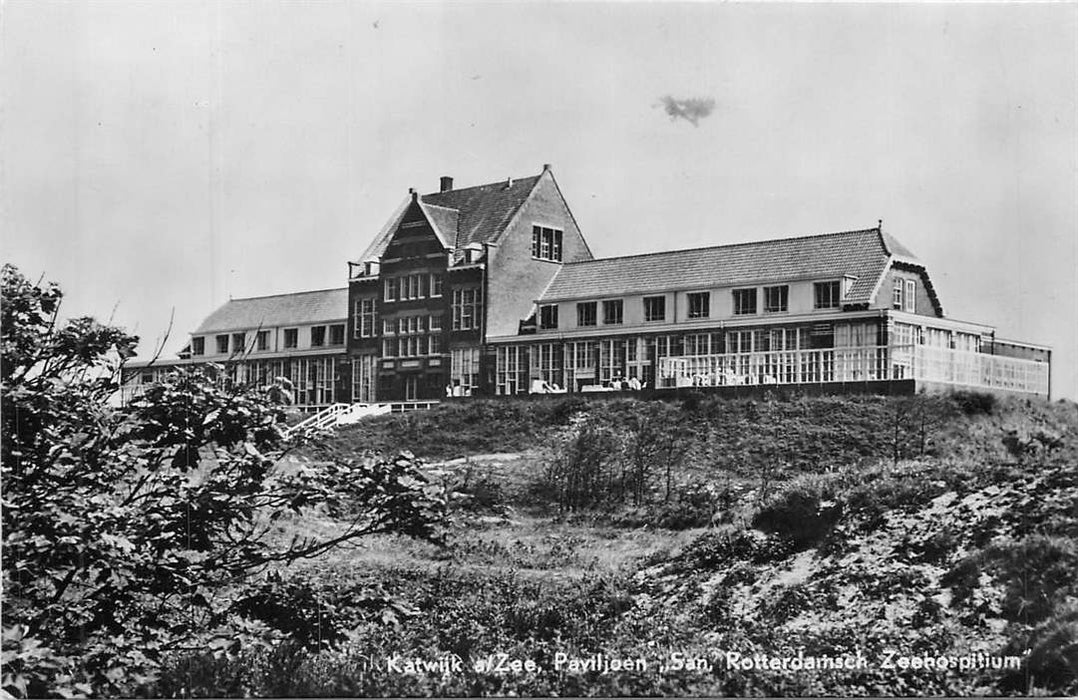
column 158, row 158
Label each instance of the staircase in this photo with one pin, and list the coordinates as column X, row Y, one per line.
column 347, row 413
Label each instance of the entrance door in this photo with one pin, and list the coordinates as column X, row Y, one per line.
column 411, row 388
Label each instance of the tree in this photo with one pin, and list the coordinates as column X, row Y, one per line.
column 129, row 534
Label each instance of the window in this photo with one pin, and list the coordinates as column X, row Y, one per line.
column 546, row 243
column 548, row 316
column 411, row 287
column 654, row 308
column 435, row 324
column 198, row 346
column 699, row 304
column 389, row 326
column 467, row 308
column 336, row 334
column 896, row 294
column 318, row 336
column 911, row 296
column 744, row 301
column 391, row 289
column 239, row 342
column 776, row 299
column 613, row 311
column 389, row 348
column 434, row 344
column 222, row 344
column 262, row 340
column 827, row 295
column 291, row 337
column 464, row 371
column 586, row 313
column 436, row 285
column 364, row 318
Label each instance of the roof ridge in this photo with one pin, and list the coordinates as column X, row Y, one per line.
column 291, row 294
column 724, row 245
column 475, row 187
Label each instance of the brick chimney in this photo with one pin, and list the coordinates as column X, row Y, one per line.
column 446, row 184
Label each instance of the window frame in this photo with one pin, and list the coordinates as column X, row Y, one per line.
column 587, row 314
column 198, row 346
column 649, row 313
column 336, row 330
column 702, row 302
column 836, row 285
column 291, row 338
column 221, row 343
column 784, row 293
column 321, row 335
column 262, row 341
column 910, row 305
column 609, row 304
column 548, row 316
column 741, row 294
column 547, row 243
column 898, row 294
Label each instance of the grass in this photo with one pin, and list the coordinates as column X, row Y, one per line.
column 963, row 548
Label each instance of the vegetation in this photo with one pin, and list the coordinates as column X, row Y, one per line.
column 130, row 534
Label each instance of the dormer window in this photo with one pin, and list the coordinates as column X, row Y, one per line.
column 546, row 243
column 548, row 316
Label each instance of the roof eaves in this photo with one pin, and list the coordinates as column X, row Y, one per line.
column 568, row 209
column 433, row 223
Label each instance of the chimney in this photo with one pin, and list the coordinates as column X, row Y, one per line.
column 508, row 183
column 446, row 184
column 546, row 166
column 413, row 193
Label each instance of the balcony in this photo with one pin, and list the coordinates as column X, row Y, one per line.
column 971, row 370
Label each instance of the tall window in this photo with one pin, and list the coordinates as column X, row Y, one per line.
column 198, row 346
column 586, row 313
column 291, row 338
column 546, row 243
column 391, row 289
column 548, row 316
column 239, row 342
column 654, row 308
column 336, row 334
column 222, row 344
column 827, row 295
column 744, row 301
column 463, row 370
column 467, row 308
column 364, row 318
column 699, row 304
column 613, row 311
column 896, row 294
column 776, row 299
column 318, row 336
column 911, row 296
column 436, row 285
column 262, row 340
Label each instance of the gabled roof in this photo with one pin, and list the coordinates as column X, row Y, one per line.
column 485, row 210
column 861, row 254
column 477, row 214
column 298, row 308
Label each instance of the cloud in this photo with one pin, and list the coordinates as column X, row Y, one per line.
column 691, row 109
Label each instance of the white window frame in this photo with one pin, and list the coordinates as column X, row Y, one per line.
column 705, row 298
column 911, row 296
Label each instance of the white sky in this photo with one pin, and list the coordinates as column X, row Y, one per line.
column 169, row 154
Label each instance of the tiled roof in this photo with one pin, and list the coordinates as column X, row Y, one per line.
column 485, row 210
column 858, row 253
column 469, row 215
column 278, row 310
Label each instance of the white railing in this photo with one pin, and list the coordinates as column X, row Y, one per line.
column 871, row 363
column 325, row 418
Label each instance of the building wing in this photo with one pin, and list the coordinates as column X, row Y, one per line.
column 861, row 255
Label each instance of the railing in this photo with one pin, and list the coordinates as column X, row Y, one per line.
column 871, row 363
column 323, row 419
